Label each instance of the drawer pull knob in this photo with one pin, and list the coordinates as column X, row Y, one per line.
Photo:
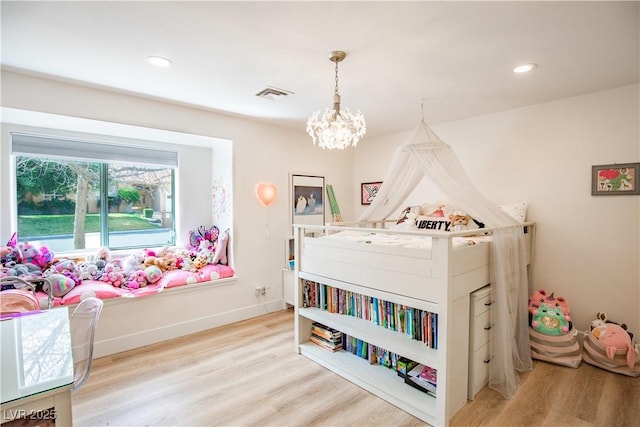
column 486, row 328
column 487, row 361
column 487, row 304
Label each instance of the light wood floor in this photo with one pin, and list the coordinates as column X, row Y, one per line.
column 248, row 374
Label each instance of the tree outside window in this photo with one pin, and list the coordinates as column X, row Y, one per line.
column 60, row 204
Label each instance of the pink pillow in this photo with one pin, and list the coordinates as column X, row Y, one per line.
column 213, row 272
column 173, row 278
column 92, row 288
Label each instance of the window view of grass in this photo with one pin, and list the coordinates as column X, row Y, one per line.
column 51, row 225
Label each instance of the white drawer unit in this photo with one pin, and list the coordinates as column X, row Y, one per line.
column 479, row 348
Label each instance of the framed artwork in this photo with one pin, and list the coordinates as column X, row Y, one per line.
column 368, row 191
column 615, row 180
column 307, row 199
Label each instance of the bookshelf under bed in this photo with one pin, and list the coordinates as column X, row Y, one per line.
column 404, row 294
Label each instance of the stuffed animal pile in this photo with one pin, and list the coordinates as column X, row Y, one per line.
column 551, row 334
column 139, row 269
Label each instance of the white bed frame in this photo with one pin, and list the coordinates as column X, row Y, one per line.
column 440, row 282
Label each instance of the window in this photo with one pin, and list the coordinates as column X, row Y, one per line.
column 77, row 195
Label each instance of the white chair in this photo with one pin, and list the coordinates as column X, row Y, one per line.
column 84, row 321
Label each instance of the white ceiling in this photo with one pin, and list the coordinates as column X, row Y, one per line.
column 457, row 56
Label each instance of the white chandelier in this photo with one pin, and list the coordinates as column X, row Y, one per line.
column 336, row 128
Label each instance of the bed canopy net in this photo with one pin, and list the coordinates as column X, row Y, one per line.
column 425, row 155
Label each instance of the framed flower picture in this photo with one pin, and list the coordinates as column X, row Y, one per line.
column 615, row 179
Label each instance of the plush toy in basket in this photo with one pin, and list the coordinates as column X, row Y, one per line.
column 551, row 334
column 610, row 346
column 548, row 314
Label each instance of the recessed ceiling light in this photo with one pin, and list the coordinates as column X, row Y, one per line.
column 158, row 61
column 525, row 68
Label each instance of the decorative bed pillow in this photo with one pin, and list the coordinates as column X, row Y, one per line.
column 407, row 213
column 445, row 217
column 517, row 211
column 439, row 223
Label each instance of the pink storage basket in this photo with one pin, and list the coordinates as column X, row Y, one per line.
column 559, row 349
column 595, row 354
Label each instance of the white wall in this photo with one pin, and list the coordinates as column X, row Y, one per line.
column 588, row 248
column 260, row 153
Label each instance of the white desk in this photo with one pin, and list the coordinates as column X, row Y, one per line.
column 36, row 367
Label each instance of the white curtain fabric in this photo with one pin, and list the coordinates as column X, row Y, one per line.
column 425, row 155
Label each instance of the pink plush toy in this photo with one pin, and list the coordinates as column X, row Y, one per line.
column 112, row 276
column 220, row 255
column 613, row 337
column 136, row 280
column 40, row 257
column 10, row 251
column 540, row 297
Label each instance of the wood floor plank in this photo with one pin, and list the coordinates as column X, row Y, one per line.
column 248, row 374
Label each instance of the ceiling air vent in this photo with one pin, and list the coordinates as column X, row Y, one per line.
column 273, row 94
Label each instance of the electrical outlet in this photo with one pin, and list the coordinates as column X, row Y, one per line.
column 260, row 290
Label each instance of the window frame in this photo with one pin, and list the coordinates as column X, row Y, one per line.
column 168, row 158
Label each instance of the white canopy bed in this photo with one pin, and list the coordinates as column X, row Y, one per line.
column 431, row 271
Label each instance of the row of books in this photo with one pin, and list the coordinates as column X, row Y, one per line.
column 326, row 337
column 417, row 375
column 374, row 354
column 419, row 324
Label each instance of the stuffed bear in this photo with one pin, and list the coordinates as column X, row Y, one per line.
column 459, row 221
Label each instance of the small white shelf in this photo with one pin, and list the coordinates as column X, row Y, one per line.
column 382, row 382
column 394, row 341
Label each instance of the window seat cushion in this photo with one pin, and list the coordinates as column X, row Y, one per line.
column 169, row 279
